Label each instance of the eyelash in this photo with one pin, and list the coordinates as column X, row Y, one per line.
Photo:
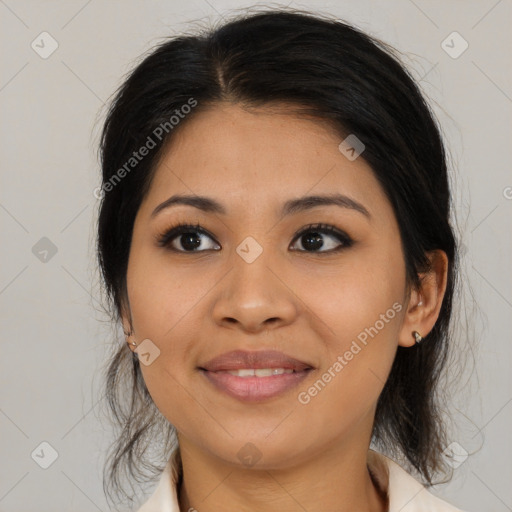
column 164, row 239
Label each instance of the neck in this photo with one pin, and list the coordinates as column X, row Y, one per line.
column 345, row 483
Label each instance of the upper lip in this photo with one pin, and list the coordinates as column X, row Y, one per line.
column 240, row 359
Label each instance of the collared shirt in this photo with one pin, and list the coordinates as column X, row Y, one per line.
column 404, row 492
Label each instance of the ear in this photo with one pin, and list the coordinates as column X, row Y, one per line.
column 126, row 320
column 425, row 303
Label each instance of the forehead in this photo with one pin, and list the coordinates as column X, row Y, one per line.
column 262, row 157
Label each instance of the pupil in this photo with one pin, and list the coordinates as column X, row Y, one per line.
column 188, row 243
column 313, row 239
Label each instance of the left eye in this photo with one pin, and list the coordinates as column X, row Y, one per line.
column 312, row 235
column 311, row 238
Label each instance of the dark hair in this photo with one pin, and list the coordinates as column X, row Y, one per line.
column 318, row 67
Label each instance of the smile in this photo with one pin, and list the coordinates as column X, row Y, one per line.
column 255, row 385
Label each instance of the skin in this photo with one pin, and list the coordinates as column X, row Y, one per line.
column 197, row 305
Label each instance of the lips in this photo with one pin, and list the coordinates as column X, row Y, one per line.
column 245, row 375
column 241, row 359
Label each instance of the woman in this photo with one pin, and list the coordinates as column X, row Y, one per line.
column 274, row 237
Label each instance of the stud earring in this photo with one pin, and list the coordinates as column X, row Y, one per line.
column 128, row 334
column 417, row 336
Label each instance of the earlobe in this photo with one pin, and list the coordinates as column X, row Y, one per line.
column 128, row 333
column 128, row 329
column 425, row 302
column 131, row 344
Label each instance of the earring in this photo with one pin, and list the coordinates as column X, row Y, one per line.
column 420, row 303
column 417, row 336
column 128, row 334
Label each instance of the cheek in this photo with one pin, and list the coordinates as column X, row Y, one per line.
column 359, row 348
column 165, row 307
column 160, row 294
column 360, row 308
column 353, row 296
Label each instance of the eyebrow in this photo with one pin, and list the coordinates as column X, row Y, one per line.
column 210, row 205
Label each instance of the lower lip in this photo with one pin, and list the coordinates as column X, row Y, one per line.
column 255, row 389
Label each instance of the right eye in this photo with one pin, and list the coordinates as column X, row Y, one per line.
column 186, row 235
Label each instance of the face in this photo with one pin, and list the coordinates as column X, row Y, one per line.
column 256, row 277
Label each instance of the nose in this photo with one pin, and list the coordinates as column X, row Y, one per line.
column 254, row 297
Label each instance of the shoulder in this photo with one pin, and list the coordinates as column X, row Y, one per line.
column 405, row 493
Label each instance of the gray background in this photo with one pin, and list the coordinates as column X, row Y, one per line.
column 54, row 335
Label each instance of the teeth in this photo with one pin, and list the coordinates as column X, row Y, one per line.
column 260, row 372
